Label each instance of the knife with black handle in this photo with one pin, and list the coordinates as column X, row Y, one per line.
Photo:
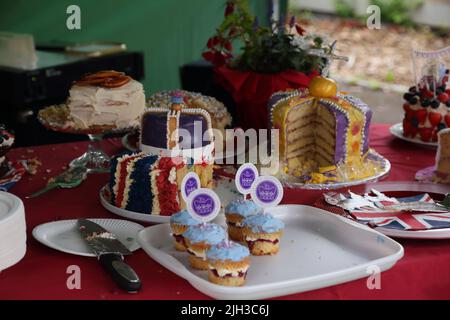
column 110, row 252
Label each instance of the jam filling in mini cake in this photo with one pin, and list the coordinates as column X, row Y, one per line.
column 106, row 98
column 200, row 238
column 235, row 213
column 262, row 233
column 228, row 263
column 442, row 171
column 179, row 223
column 322, row 133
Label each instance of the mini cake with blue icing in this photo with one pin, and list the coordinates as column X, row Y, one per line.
column 262, row 233
column 235, row 213
column 179, row 223
column 228, row 263
column 198, row 239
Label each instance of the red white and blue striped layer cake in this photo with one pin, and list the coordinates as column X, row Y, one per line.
column 150, row 184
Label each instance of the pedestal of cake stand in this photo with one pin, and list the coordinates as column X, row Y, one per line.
column 94, row 159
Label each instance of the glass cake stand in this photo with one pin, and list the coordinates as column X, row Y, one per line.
column 95, row 159
column 375, row 159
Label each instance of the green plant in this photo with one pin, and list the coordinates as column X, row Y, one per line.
column 390, row 77
column 397, row 11
column 344, row 9
column 272, row 49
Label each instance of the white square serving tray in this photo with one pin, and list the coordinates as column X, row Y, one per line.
column 318, row 249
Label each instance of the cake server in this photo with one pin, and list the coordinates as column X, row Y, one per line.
column 70, row 178
column 110, row 252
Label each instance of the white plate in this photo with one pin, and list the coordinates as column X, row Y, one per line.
column 225, row 189
column 433, row 234
column 11, row 244
column 13, row 249
column 13, row 235
column 413, row 187
column 12, row 211
column 397, row 131
column 64, row 236
column 318, row 249
column 11, row 259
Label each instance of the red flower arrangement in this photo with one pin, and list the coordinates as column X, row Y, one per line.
column 272, row 58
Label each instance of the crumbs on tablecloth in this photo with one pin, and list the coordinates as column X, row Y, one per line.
column 33, row 165
column 29, row 150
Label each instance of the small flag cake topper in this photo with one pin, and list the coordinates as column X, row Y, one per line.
column 267, row 191
column 245, row 178
column 177, row 100
column 190, row 183
column 203, row 204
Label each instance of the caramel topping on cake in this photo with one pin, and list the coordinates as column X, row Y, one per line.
column 105, row 79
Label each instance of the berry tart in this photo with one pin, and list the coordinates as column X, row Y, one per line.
column 427, row 109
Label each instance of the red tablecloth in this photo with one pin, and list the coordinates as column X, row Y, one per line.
column 423, row 272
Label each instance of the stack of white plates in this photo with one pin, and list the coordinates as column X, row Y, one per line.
column 12, row 230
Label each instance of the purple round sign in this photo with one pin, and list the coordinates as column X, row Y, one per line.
column 247, row 178
column 267, row 191
column 203, row 204
column 190, row 185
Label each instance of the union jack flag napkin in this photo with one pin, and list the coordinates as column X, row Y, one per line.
column 419, row 212
column 16, row 172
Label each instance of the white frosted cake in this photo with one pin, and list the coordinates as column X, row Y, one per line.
column 107, row 98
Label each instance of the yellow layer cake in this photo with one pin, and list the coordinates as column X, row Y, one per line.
column 319, row 131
